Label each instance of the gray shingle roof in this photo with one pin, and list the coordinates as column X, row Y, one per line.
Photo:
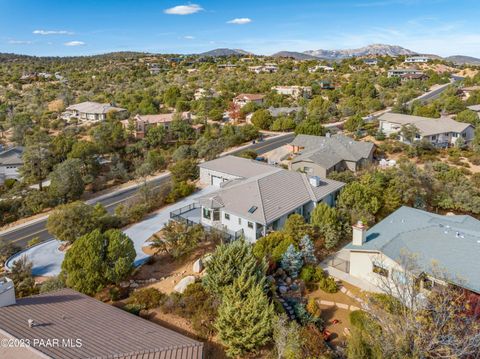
column 328, row 151
column 12, row 156
column 426, row 126
column 453, row 242
column 274, row 193
column 105, row 331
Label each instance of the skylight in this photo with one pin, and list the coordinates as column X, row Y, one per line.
column 252, row 209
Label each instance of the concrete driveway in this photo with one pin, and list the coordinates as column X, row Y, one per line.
column 47, row 259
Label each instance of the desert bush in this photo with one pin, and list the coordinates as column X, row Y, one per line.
column 146, row 298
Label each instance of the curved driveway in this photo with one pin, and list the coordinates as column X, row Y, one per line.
column 47, row 259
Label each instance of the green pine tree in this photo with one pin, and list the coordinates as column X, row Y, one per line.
column 245, row 317
column 228, row 262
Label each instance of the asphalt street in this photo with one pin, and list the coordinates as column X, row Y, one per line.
column 20, row 236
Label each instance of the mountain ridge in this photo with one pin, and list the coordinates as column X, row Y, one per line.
column 370, row 50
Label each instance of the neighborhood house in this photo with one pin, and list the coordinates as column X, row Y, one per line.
column 10, row 162
column 142, row 123
column 90, row 111
column 445, row 246
column 254, row 198
column 318, row 156
column 416, row 59
column 68, row 324
column 294, row 91
column 403, row 72
column 442, row 132
column 244, row 98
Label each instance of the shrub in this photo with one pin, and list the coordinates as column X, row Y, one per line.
column 307, row 273
column 146, row 298
column 131, row 308
column 311, row 273
column 114, row 294
column 328, row 285
column 272, row 246
column 359, row 319
column 387, row 302
column 313, row 308
column 180, row 190
column 51, row 284
column 34, row 241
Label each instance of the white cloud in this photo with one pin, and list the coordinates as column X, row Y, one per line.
column 52, row 32
column 183, row 9
column 240, row 21
column 189, row 37
column 19, row 42
column 74, row 43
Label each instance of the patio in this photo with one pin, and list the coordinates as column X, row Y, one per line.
column 191, row 215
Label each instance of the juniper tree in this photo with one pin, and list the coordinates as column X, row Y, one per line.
column 97, row 259
column 245, row 317
column 228, row 262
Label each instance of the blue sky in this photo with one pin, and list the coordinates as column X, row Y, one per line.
column 84, row 27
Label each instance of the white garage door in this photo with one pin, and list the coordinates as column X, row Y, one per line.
column 216, row 181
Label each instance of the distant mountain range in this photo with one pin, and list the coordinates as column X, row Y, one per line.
column 370, row 50
column 225, row 52
column 337, row 55
column 295, row 55
column 328, row 55
column 461, row 60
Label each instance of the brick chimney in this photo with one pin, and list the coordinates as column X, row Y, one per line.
column 359, row 233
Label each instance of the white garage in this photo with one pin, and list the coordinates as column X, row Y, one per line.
column 216, row 180
column 228, row 168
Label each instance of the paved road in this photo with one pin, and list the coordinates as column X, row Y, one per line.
column 20, row 236
column 432, row 95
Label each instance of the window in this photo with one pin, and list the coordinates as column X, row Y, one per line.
column 239, row 221
column 227, row 216
column 434, row 138
column 250, row 225
column 380, row 270
column 216, row 215
column 207, row 214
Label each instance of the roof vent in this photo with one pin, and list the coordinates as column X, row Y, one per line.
column 31, row 323
column 314, row 181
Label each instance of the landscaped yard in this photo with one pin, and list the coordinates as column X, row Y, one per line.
column 331, row 312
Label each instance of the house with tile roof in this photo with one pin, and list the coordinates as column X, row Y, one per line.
column 68, row 324
column 10, row 163
column 441, row 132
column 254, row 198
column 446, row 244
column 244, row 98
column 320, row 155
